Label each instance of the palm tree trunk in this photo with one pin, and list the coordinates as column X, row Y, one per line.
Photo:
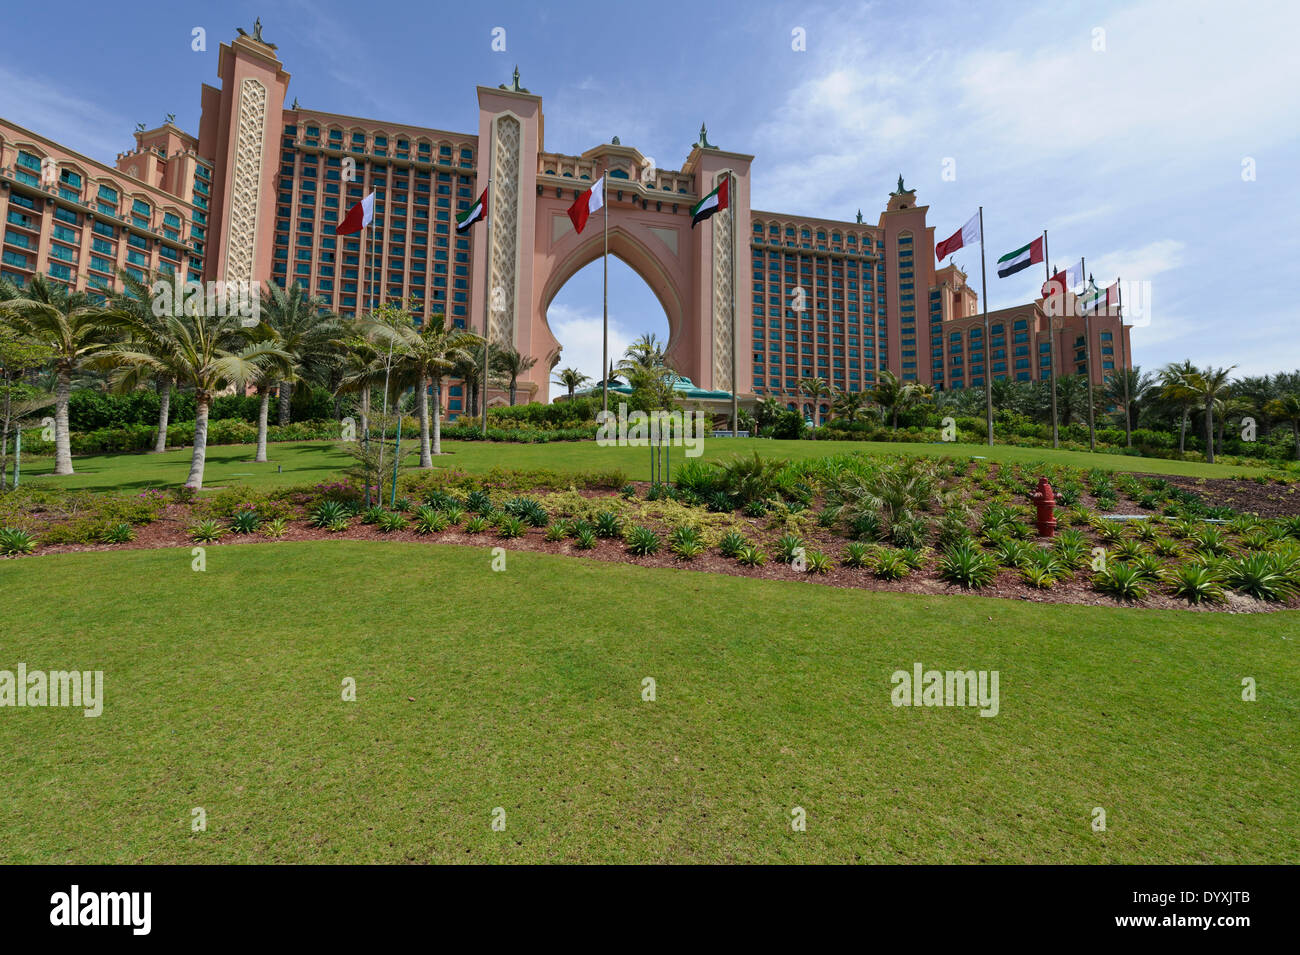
column 513, row 382
column 422, row 403
column 284, row 403
column 1182, row 432
column 201, row 402
column 264, row 392
column 365, row 411
column 1209, row 432
column 1295, row 426
column 62, row 440
column 437, row 417
column 164, row 414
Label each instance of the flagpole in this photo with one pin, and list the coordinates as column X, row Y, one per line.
column 487, row 276
column 735, row 359
column 988, row 352
column 1051, row 342
column 1087, row 362
column 1123, row 364
column 604, row 333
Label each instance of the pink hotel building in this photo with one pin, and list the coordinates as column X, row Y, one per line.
column 256, row 195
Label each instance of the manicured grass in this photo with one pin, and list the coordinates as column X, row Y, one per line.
column 310, row 461
column 522, row 689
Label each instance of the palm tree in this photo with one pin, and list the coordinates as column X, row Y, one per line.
column 510, row 365
column 1139, row 386
column 767, row 411
column 470, row 374
column 422, row 356
column 848, row 405
column 1208, row 385
column 137, row 300
column 571, row 379
column 1071, row 397
column 645, row 351
column 74, row 327
column 816, row 389
column 890, row 394
column 1287, row 408
column 1178, row 385
column 305, row 330
column 205, row 352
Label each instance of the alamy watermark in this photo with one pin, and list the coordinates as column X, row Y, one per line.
column 923, row 687
column 82, row 689
column 685, row 429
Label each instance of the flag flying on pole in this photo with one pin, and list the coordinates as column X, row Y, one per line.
column 358, row 217
column 715, row 201
column 587, row 203
column 968, row 234
column 475, row 213
column 1065, row 280
column 1022, row 258
column 1096, row 298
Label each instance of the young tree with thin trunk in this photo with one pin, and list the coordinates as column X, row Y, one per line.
column 816, row 389
column 306, row 330
column 572, row 379
column 1208, row 385
column 1178, row 385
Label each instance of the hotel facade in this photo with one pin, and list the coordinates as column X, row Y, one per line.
column 256, row 194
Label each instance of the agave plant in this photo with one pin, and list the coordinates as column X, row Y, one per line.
column 856, row 554
column 327, row 512
column 430, row 521
column 14, row 541
column 751, row 556
column 788, row 547
column 686, row 542
column 206, row 531
column 118, row 534
column 967, row 566
column 641, row 541
column 476, row 525
column 584, row 538
column 275, row 527
column 608, row 524
column 1121, row 581
column 890, row 565
column 245, row 522
column 732, row 543
column 817, row 562
column 1264, row 576
column 510, row 527
column 392, row 521
column 1196, row 584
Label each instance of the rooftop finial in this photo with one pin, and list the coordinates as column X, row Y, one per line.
column 704, row 138
column 514, row 87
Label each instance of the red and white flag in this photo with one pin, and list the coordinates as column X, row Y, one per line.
column 1066, row 280
column 358, row 217
column 587, row 203
column 968, row 234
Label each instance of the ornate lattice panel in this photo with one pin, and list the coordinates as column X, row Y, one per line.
column 723, row 319
column 504, row 213
column 241, row 237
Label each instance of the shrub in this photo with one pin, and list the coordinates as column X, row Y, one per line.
column 327, row 512
column 890, row 565
column 478, row 502
column 14, row 541
column 1121, row 581
column 118, row 534
column 910, row 532
column 275, row 527
column 865, row 527
column 641, row 542
column 584, row 537
column 732, row 543
column 391, row 521
column 430, row 521
column 1038, row 575
column 720, row 502
column 510, row 527
column 476, row 525
column 751, row 556
column 686, row 542
column 556, row 532
column 608, row 524
column 1128, row 550
column 206, row 531
column 787, row 547
column 818, row 562
column 245, row 522
column 338, row 525
column 755, row 508
column 1150, row 567
column 1264, row 576
column 856, row 554
column 966, row 565
column 1196, row 584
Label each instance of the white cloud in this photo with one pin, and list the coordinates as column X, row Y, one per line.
column 94, row 129
column 579, row 331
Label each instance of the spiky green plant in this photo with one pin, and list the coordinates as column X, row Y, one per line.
column 641, row 541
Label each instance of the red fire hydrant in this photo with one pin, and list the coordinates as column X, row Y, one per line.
column 1046, row 503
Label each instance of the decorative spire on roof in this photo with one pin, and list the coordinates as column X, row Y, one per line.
column 704, row 139
column 514, row 87
column 902, row 189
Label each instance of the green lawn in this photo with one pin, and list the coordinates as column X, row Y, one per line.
column 311, row 461
column 522, row 690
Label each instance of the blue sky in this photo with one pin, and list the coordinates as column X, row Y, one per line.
column 1129, row 131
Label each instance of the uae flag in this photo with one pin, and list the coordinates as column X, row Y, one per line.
column 587, row 203
column 715, row 201
column 1065, row 280
column 358, row 217
column 1096, row 299
column 1022, row 258
column 475, row 213
column 968, row 234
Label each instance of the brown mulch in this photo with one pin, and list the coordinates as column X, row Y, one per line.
column 172, row 528
column 1271, row 498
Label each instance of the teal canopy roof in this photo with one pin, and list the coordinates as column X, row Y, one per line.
column 685, row 388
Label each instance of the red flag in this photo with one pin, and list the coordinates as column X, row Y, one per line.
column 358, row 217
column 968, row 234
column 587, row 203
